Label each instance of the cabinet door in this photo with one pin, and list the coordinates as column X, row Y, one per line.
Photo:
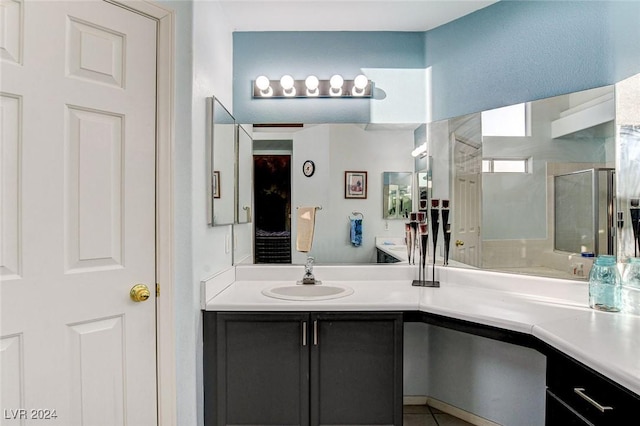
column 263, row 369
column 356, row 369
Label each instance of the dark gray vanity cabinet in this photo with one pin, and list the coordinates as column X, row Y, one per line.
column 577, row 395
column 303, row 368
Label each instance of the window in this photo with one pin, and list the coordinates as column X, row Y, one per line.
column 511, row 165
column 511, row 120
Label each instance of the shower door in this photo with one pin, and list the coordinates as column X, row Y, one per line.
column 583, row 211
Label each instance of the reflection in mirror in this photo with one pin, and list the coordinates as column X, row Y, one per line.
column 220, row 165
column 628, row 167
column 501, row 187
column 396, row 195
column 502, row 183
column 334, row 149
column 244, row 177
column 425, row 185
column 592, row 193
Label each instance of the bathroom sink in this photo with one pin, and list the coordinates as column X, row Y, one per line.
column 398, row 248
column 307, row 292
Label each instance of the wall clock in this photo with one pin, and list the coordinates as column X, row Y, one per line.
column 308, row 168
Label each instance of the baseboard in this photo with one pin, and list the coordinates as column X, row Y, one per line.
column 414, row 400
column 449, row 409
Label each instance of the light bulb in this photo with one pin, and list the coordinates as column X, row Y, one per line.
column 336, row 81
column 286, row 82
column 360, row 82
column 336, row 85
column 312, row 83
column 262, row 83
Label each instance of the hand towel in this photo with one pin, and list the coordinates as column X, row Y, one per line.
column 356, row 232
column 306, row 223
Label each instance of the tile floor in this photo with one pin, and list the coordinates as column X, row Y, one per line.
column 423, row 415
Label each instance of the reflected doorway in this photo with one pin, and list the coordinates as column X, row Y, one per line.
column 272, row 189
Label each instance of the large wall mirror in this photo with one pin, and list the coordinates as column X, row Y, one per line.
column 537, row 196
column 510, row 208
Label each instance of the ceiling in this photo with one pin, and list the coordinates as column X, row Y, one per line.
column 345, row 15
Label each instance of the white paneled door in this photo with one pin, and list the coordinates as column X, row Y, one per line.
column 77, row 205
column 467, row 187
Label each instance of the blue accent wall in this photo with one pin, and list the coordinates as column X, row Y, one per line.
column 509, row 52
column 515, row 51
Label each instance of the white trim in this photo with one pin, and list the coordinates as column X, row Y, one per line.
column 414, row 400
column 165, row 89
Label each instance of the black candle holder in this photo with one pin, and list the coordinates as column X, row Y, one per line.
column 422, row 237
column 446, row 230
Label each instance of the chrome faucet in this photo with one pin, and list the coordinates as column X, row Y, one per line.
column 308, row 272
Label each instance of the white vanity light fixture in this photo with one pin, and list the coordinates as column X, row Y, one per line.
column 336, row 83
column 264, row 86
column 288, row 85
column 312, row 83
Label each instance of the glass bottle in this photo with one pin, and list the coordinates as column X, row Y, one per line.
column 631, row 287
column 605, row 285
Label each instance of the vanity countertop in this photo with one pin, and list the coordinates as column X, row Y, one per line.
column 555, row 311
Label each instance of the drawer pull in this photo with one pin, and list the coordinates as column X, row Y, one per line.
column 315, row 333
column 580, row 392
column 304, row 333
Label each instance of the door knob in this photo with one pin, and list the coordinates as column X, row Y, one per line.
column 139, row 293
column 459, row 243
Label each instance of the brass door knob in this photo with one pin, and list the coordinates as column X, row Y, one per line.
column 139, row 293
column 459, row 243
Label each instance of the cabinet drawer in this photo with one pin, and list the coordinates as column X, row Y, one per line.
column 591, row 395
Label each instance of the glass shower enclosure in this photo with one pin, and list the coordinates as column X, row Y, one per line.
column 584, row 211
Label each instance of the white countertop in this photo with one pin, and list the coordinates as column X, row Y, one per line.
column 555, row 311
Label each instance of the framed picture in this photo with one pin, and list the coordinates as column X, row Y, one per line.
column 215, row 182
column 355, row 184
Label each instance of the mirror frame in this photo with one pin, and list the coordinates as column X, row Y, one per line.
column 244, row 213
